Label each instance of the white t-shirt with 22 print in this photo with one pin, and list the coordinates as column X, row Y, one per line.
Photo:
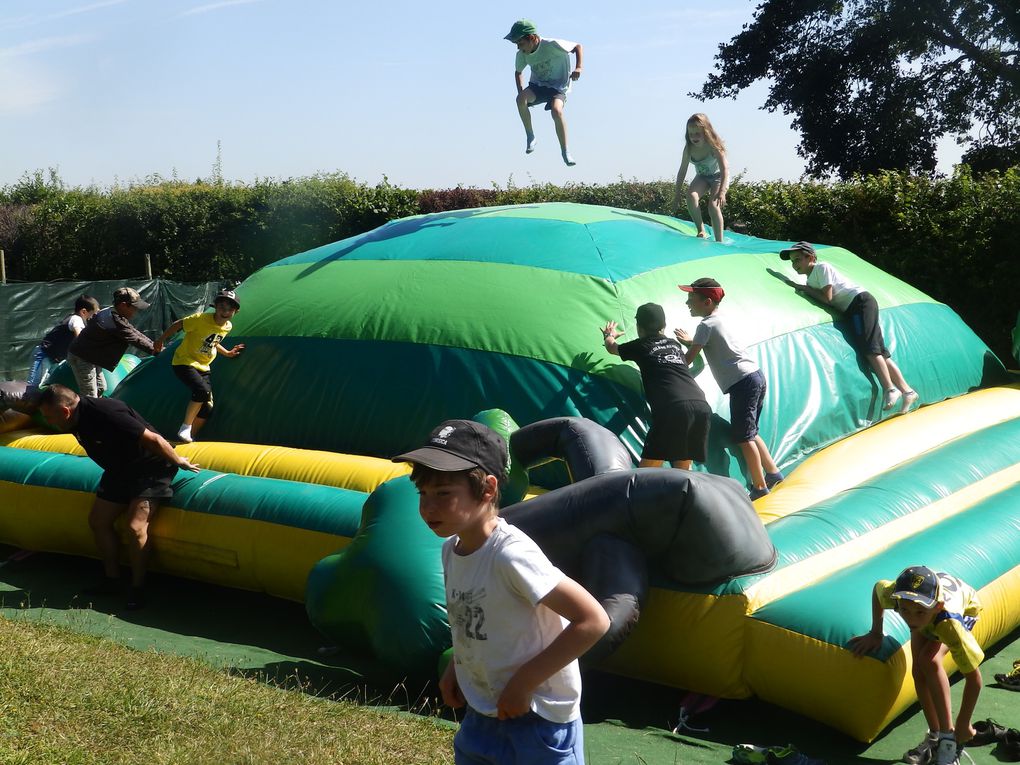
column 492, row 599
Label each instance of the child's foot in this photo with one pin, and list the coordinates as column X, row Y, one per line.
column 184, row 434
column 531, row 144
column 702, row 235
column 758, row 493
column 909, row 399
column 892, row 396
column 568, row 159
column 771, row 479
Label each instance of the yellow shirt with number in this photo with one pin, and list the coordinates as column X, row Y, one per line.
column 201, row 336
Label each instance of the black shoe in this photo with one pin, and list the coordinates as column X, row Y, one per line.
column 135, row 598
column 106, row 587
column 1008, row 749
column 988, row 732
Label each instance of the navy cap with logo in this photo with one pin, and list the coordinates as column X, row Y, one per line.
column 806, row 247
column 650, row 316
column 462, row 445
column 919, row 584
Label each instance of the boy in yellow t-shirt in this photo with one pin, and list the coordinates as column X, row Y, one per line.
column 203, row 333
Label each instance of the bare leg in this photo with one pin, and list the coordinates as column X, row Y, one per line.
column 191, row 412
column 140, row 513
column 930, row 682
column 561, row 129
column 682, row 464
column 877, row 362
column 101, row 519
column 695, row 190
column 715, row 213
column 650, row 463
column 197, row 426
column 753, row 459
column 524, row 98
column 896, row 376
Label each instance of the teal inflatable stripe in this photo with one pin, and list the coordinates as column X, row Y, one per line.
column 979, row 545
column 305, row 506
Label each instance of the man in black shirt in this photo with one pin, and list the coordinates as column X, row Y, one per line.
column 139, row 466
column 680, row 414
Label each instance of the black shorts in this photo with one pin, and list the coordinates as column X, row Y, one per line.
column 746, row 398
column 201, row 388
column 679, row 433
column 865, row 331
column 120, row 487
column 545, row 95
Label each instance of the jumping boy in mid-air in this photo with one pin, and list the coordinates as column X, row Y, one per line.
column 551, row 75
column 518, row 623
column 203, row 333
column 940, row 611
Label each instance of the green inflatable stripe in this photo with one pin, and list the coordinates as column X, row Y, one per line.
column 839, row 607
column 289, row 503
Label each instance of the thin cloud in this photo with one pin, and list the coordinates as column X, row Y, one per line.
column 216, row 6
column 27, row 21
column 45, row 44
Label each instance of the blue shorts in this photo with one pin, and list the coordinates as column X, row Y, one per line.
column 746, row 398
column 545, row 95
column 527, row 740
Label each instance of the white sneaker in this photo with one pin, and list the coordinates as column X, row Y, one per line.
column 946, row 752
column 892, row 397
column 184, row 434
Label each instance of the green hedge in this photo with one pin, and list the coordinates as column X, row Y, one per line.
column 955, row 238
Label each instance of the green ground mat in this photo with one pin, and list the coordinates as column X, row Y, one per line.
column 627, row 722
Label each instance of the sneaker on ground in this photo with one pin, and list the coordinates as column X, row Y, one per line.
column 946, row 752
column 988, row 732
column 788, row 755
column 892, row 396
column 922, row 753
column 757, row 493
column 771, row 479
column 531, row 144
column 569, row 160
column 184, row 434
column 909, row 399
column 1010, row 680
column 749, row 754
column 1008, row 749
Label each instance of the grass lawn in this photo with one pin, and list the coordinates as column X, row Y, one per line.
column 222, row 676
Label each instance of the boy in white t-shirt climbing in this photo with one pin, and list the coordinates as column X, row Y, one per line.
column 826, row 285
column 551, row 76
column 518, row 623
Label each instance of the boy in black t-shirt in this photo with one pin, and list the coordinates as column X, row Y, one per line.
column 680, row 414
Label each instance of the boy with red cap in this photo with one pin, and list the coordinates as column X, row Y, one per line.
column 940, row 611
column 737, row 375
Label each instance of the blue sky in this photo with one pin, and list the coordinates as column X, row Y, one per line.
column 113, row 91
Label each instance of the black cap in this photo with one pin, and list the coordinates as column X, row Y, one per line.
column 650, row 316
column 462, row 445
column 804, row 247
column 228, row 295
column 919, row 584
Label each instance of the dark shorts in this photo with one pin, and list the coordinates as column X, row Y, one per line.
column 485, row 740
column 865, row 331
column 201, row 388
column 545, row 95
column 746, row 398
column 679, row 433
column 120, row 487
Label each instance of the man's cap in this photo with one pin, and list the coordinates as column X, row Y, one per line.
column 520, row 29
column 705, row 287
column 650, row 316
column 129, row 295
column 919, row 584
column 227, row 295
column 462, row 445
column 804, row 247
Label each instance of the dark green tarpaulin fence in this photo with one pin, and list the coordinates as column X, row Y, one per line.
column 29, row 310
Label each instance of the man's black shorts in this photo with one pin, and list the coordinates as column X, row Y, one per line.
column 680, row 433
column 120, row 487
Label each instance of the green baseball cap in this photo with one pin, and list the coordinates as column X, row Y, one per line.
column 520, row 29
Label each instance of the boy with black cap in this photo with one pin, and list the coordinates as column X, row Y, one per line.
column 103, row 341
column 551, row 76
column 940, row 611
column 518, row 623
column 826, row 285
column 737, row 375
column 203, row 333
column 680, row 415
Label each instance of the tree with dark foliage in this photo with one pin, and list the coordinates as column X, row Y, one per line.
column 873, row 84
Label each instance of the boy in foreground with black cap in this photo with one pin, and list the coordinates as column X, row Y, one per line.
column 829, row 287
column 203, row 333
column 680, row 415
column 518, row 623
column 737, row 375
column 940, row 611
column 551, row 76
